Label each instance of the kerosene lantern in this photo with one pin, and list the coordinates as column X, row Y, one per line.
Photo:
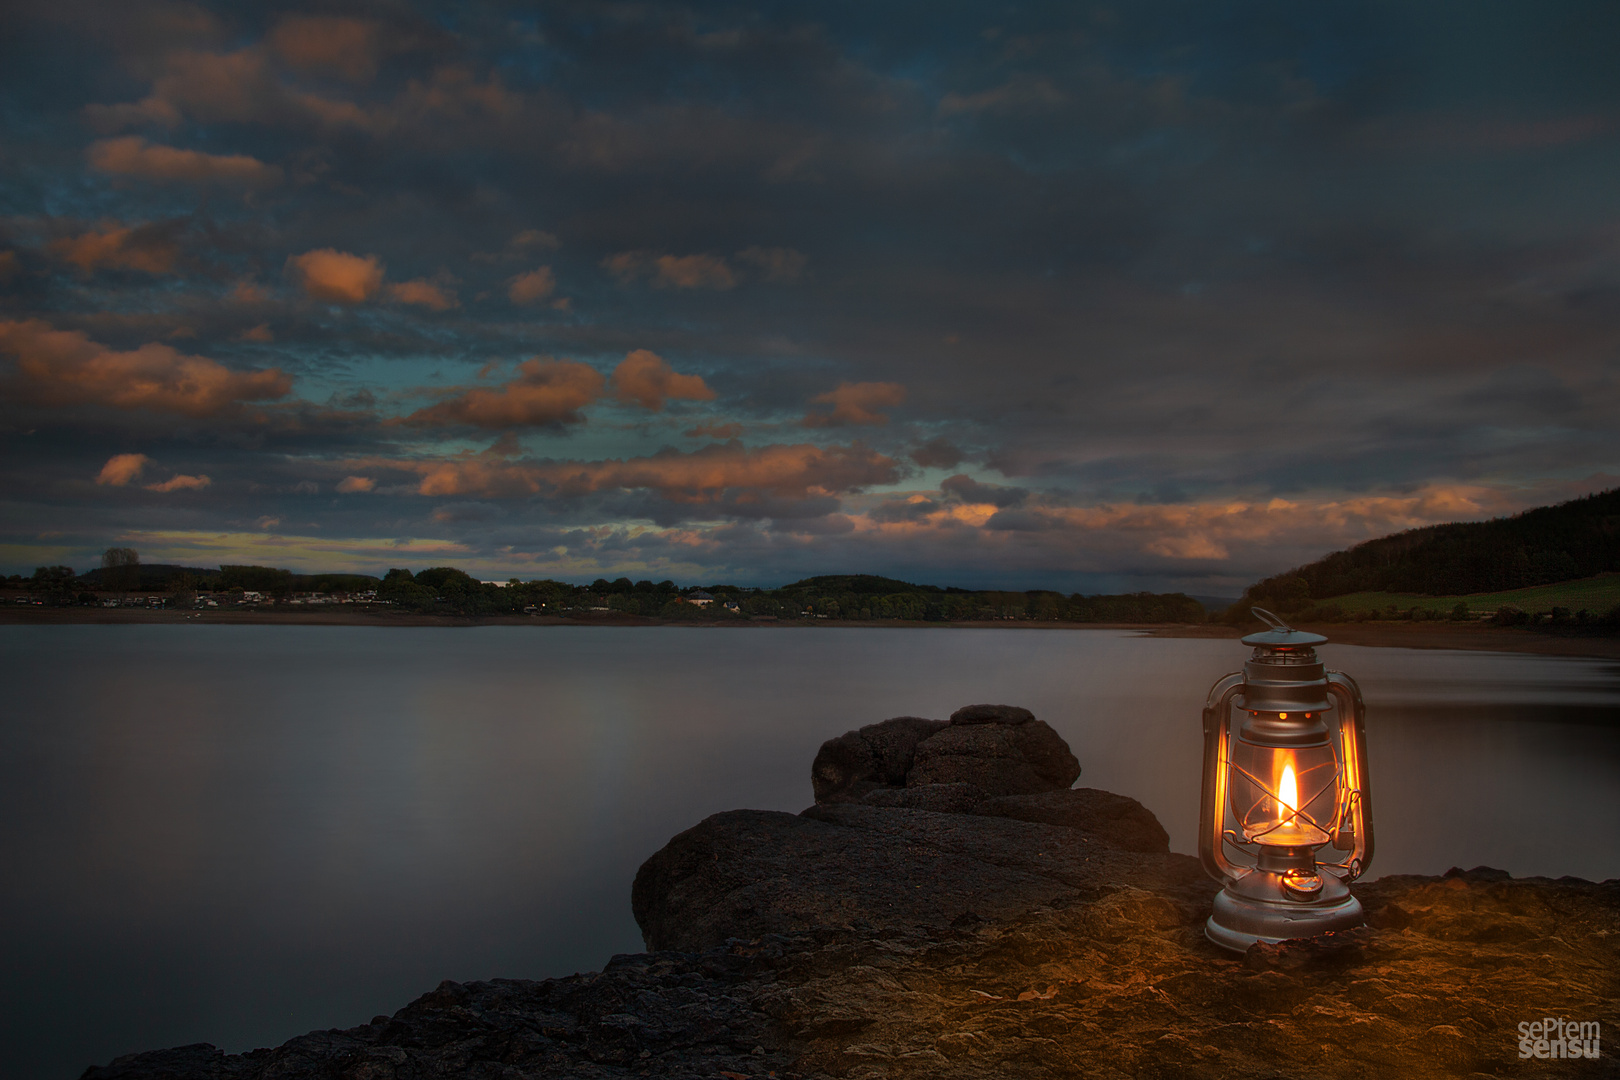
column 1286, row 816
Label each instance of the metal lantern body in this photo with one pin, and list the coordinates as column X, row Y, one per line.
column 1286, row 815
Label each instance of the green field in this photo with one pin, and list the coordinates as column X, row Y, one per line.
column 1595, row 594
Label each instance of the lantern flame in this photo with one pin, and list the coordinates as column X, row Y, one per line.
column 1288, row 792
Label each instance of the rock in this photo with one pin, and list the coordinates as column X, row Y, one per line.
column 1116, row 820
column 999, row 749
column 1115, row 982
column 940, row 798
column 991, row 714
column 984, row 755
column 744, row 873
column 878, row 755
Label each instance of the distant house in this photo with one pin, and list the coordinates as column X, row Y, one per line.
column 731, row 605
column 700, row 598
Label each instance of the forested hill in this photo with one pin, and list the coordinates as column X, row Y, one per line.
column 1576, row 539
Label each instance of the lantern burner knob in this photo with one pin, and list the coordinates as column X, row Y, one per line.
column 1299, row 884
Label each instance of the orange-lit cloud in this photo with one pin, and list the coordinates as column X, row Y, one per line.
column 249, row 292
column 181, row 482
column 122, row 468
column 702, row 476
column 119, row 247
column 261, row 334
column 131, row 155
column 646, row 379
column 424, row 293
column 64, row 367
column 546, row 393
column 349, row 485
column 856, row 403
column 672, row 271
column 1207, row 532
column 9, row 266
column 532, row 287
column 328, row 274
column 343, row 46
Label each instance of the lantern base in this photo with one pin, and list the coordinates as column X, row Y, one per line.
column 1259, row 908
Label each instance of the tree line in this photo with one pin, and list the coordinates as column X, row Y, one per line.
column 448, row 590
column 845, row 598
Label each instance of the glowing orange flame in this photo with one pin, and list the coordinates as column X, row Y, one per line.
column 1288, row 792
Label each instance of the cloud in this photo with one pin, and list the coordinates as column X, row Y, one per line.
column 969, row 490
column 937, row 453
column 1022, row 93
column 249, row 292
column 646, row 379
column 533, row 238
column 327, row 274
column 261, row 334
column 856, row 403
column 9, row 267
column 714, row 431
column 709, row 475
column 777, row 264
column 546, row 393
column 181, row 482
column 424, row 293
column 343, row 46
column 532, row 287
column 148, row 248
column 672, row 271
column 64, row 367
column 131, row 155
column 122, row 468
column 352, row 484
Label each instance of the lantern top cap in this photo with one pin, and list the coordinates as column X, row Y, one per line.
column 1281, row 635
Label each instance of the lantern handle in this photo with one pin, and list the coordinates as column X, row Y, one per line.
column 1271, row 620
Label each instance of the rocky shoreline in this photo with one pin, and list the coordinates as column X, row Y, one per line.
column 952, row 907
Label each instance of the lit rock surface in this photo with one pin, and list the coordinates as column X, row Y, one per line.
column 1044, row 934
column 1117, row 984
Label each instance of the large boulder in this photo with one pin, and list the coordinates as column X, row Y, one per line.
column 744, row 873
column 998, row 750
column 1116, row 820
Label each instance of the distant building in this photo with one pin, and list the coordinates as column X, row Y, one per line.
column 700, row 598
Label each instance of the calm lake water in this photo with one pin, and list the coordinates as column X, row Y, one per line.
column 237, row 834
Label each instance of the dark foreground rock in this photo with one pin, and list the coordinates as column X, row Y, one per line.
column 1117, row 984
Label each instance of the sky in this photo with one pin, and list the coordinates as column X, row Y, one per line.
column 1159, row 295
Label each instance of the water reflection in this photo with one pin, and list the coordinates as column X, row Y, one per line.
column 236, row 834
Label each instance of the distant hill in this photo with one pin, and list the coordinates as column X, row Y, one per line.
column 1565, row 542
column 861, row 585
